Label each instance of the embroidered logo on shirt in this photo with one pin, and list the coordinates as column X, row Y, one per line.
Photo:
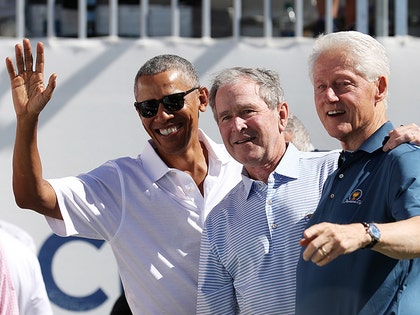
column 355, row 197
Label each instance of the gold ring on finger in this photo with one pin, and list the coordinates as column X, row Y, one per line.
column 323, row 251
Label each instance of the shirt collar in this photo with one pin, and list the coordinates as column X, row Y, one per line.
column 156, row 168
column 377, row 140
column 289, row 163
column 288, row 167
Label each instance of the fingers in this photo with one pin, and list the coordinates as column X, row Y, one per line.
column 39, row 66
column 10, row 68
column 414, row 133
column 402, row 134
column 19, row 59
column 315, row 240
column 321, row 255
column 28, row 54
column 24, row 59
column 323, row 251
column 326, row 241
column 29, row 93
column 52, row 82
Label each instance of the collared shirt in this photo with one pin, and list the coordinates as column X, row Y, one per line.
column 250, row 243
column 152, row 216
column 370, row 186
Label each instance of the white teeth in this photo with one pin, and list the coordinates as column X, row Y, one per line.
column 334, row 112
column 168, row 131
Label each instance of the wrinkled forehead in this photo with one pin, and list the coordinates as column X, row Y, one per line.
column 334, row 61
column 240, row 90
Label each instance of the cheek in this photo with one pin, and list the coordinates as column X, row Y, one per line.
column 146, row 123
column 318, row 107
column 224, row 133
column 318, row 99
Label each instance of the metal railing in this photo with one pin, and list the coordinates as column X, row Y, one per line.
column 381, row 27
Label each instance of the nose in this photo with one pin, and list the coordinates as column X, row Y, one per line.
column 162, row 114
column 239, row 124
column 331, row 96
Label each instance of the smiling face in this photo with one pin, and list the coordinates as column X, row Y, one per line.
column 172, row 132
column 350, row 107
column 250, row 130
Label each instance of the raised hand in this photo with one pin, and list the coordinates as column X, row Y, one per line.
column 28, row 91
column 29, row 98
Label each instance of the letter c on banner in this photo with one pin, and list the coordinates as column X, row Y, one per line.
column 56, row 295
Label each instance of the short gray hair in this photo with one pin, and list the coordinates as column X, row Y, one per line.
column 368, row 56
column 270, row 89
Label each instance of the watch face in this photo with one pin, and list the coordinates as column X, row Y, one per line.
column 374, row 231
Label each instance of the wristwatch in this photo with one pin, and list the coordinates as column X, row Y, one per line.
column 373, row 232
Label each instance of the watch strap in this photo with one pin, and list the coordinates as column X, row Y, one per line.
column 374, row 239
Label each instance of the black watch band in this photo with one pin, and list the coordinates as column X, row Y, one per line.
column 373, row 232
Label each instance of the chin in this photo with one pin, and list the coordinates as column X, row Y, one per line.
column 333, row 132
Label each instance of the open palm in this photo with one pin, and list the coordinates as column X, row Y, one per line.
column 28, row 91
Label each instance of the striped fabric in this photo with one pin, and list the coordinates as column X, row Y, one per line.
column 250, row 245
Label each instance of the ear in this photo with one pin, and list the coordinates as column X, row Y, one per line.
column 283, row 111
column 382, row 88
column 204, row 98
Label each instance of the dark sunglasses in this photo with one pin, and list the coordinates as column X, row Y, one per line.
column 172, row 102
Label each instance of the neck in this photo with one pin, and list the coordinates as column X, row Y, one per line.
column 262, row 172
column 193, row 161
column 356, row 139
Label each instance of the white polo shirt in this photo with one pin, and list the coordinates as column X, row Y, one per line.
column 152, row 216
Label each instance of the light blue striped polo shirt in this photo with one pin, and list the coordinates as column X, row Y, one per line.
column 250, row 243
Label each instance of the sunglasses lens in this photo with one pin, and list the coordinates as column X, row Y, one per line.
column 148, row 109
column 174, row 102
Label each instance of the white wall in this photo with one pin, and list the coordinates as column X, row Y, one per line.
column 91, row 119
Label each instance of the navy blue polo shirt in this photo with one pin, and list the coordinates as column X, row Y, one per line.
column 371, row 186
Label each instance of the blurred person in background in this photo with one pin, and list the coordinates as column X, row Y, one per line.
column 25, row 270
column 297, row 134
